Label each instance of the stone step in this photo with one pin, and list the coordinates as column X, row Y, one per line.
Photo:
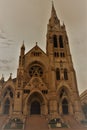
column 36, row 122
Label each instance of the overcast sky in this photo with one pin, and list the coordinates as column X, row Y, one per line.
column 27, row 20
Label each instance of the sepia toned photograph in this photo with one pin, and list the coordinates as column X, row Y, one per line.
column 43, row 66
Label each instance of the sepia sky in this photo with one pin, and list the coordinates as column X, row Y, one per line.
column 27, row 20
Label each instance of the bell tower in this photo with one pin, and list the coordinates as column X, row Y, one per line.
column 63, row 77
column 57, row 40
column 52, row 34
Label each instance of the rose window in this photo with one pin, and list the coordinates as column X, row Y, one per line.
column 35, row 71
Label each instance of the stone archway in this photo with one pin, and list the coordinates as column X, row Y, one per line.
column 65, row 107
column 36, row 104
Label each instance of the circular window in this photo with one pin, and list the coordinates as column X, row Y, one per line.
column 35, row 71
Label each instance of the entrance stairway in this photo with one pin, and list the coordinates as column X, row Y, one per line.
column 36, row 122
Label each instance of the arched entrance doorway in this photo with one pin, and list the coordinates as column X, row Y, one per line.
column 35, row 108
column 6, row 107
column 36, row 104
column 65, row 107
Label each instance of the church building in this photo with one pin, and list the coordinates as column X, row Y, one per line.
column 46, row 82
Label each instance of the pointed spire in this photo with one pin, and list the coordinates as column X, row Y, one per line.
column 23, row 46
column 22, row 49
column 53, row 11
column 63, row 26
column 54, row 19
column 52, row 3
column 2, row 79
column 10, row 77
column 36, row 43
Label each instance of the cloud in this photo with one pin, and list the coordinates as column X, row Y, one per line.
column 5, row 65
column 4, row 68
column 4, row 41
column 5, row 44
column 2, row 37
column 5, row 61
column 10, row 40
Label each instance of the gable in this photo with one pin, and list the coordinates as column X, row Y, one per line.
column 36, row 51
column 36, row 54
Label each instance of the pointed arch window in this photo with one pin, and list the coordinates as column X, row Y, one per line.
column 61, row 41
column 62, row 93
column 55, row 41
column 65, row 74
column 6, row 106
column 9, row 91
column 65, row 106
column 57, row 74
column 56, row 54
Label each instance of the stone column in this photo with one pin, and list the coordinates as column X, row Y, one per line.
column 60, row 109
column 26, row 109
column 1, row 108
column 78, row 111
column 70, row 109
column 53, row 108
column 10, row 110
column 18, row 102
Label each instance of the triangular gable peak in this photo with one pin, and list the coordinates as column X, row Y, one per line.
column 36, row 51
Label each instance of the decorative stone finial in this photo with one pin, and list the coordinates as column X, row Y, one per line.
column 2, row 79
column 10, row 77
column 23, row 46
column 36, row 43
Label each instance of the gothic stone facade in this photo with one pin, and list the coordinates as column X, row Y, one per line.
column 46, row 82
